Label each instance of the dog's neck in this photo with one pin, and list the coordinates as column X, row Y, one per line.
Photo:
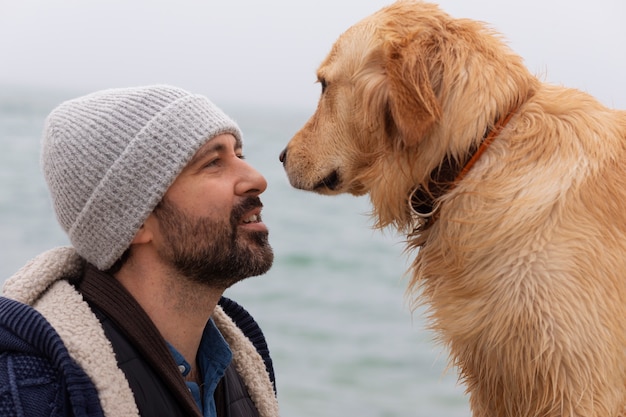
column 423, row 200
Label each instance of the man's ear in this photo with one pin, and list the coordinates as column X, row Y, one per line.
column 144, row 234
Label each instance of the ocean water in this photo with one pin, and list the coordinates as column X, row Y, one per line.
column 333, row 308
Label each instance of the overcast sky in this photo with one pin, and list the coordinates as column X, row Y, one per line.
column 266, row 52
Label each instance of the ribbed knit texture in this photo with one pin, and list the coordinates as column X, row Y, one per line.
column 109, row 157
column 35, row 366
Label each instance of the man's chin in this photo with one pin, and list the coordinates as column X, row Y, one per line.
column 263, row 260
column 257, row 237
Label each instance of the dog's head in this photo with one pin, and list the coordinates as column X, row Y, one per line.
column 401, row 90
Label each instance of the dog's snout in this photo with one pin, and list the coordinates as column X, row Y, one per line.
column 283, row 156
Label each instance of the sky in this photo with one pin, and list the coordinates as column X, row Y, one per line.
column 265, row 53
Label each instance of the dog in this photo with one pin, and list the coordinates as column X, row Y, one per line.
column 511, row 193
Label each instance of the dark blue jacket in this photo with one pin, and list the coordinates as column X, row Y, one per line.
column 38, row 378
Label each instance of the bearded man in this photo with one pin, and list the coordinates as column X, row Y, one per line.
column 163, row 214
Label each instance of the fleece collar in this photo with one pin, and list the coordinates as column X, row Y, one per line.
column 43, row 284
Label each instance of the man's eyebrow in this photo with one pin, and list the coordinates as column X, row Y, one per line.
column 212, row 148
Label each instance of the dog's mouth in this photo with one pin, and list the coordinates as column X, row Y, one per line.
column 330, row 182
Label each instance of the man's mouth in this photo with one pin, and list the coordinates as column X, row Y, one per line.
column 248, row 212
column 253, row 218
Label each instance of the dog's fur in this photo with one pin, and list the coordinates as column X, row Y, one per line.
column 524, row 269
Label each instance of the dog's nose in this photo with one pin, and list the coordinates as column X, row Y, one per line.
column 283, row 156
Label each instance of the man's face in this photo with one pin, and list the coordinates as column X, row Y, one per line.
column 209, row 222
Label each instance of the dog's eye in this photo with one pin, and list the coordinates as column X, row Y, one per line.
column 323, row 83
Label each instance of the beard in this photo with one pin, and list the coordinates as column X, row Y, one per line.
column 213, row 252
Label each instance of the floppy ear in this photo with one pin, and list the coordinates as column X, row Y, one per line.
column 412, row 103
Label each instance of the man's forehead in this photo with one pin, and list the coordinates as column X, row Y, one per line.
column 217, row 143
column 221, row 140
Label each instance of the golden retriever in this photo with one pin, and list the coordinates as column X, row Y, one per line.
column 511, row 193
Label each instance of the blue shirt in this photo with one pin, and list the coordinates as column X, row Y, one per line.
column 213, row 358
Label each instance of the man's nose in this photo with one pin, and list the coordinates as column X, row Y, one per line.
column 253, row 182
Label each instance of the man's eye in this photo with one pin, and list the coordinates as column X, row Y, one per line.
column 212, row 163
column 241, row 156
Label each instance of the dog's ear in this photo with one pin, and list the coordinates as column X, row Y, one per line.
column 412, row 101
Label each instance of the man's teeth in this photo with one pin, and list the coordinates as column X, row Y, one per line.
column 253, row 218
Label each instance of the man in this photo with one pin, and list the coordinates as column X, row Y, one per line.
column 163, row 214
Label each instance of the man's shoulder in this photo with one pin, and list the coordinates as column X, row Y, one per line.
column 30, row 348
column 36, row 370
column 28, row 382
column 28, row 375
column 22, row 328
column 26, row 370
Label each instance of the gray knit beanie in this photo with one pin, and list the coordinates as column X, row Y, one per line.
column 109, row 157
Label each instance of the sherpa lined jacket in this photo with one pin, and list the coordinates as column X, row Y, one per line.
column 44, row 283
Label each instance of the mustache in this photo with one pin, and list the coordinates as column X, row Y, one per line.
column 245, row 206
column 237, row 212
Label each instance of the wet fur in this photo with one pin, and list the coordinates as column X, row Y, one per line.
column 523, row 272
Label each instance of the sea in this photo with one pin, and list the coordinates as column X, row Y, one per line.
column 342, row 334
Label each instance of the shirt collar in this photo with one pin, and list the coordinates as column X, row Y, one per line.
column 214, row 356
